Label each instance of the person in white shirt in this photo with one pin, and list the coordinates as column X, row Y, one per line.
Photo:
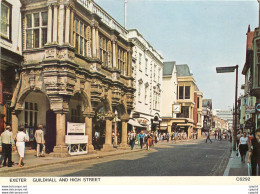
column 7, row 143
column 20, row 139
column 243, row 147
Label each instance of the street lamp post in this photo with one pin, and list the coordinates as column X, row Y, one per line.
column 228, row 70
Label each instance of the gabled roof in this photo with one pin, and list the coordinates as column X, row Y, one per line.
column 183, row 70
column 168, row 68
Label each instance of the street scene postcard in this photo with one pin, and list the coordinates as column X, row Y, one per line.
column 99, row 92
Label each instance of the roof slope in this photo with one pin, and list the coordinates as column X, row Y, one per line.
column 168, row 67
column 183, row 70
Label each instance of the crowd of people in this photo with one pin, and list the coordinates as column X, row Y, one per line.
column 148, row 139
column 249, row 142
column 10, row 144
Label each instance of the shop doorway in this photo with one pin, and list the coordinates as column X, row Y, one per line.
column 50, row 135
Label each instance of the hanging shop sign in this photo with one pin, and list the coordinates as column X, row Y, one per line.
column 250, row 109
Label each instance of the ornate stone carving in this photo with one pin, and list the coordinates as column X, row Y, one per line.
column 50, row 53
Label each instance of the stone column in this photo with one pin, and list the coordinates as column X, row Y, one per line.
column 97, row 43
column 55, row 24
column 115, row 129
column 108, row 139
column 94, row 47
column 71, row 28
column 14, row 124
column 88, row 122
column 61, row 24
column 49, row 37
column 60, row 150
column 124, row 145
column 114, row 54
column 67, row 30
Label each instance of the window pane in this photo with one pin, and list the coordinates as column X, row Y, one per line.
column 77, row 22
column 44, row 36
column 29, row 20
column 187, row 92
column 181, row 92
column 25, row 117
column 36, row 19
column 81, row 26
column 35, row 118
column 35, row 106
column 77, row 43
column 81, row 45
column 31, row 118
column 28, row 39
column 44, row 18
column 4, row 19
column 26, row 105
column 36, row 38
column 31, row 106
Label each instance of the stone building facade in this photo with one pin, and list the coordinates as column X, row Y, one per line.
column 10, row 57
column 147, row 72
column 77, row 68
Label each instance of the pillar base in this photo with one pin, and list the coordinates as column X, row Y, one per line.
column 60, row 152
column 91, row 149
column 124, row 146
column 108, row 148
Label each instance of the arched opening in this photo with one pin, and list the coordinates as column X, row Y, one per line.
column 99, row 128
column 36, row 110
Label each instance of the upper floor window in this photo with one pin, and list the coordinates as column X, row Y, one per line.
column 146, row 94
column 6, row 13
column 187, row 92
column 103, row 51
column 146, row 66
column 122, row 61
column 36, row 30
column 140, row 61
column 154, row 72
column 180, row 92
column 198, row 102
column 159, row 72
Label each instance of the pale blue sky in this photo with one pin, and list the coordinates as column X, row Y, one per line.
column 202, row 34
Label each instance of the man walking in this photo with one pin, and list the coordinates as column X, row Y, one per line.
column 208, row 137
column 141, row 136
column 39, row 138
column 7, row 142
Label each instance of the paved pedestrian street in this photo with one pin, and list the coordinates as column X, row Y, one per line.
column 186, row 158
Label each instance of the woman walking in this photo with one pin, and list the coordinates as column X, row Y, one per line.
column 243, row 147
column 149, row 141
column 20, row 139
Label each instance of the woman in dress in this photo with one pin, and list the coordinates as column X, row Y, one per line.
column 20, row 139
column 243, row 147
column 149, row 141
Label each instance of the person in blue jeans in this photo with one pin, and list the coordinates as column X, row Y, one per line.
column 141, row 137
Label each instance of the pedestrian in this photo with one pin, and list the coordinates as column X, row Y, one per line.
column 243, row 147
column 138, row 139
column 20, row 139
column 39, row 138
column 215, row 135
column 141, row 136
column 132, row 139
column 254, row 153
column 149, row 141
column 208, row 138
column 238, row 138
column 168, row 136
column 250, row 137
column 7, row 143
column 153, row 139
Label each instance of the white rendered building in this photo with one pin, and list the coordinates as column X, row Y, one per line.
column 147, row 72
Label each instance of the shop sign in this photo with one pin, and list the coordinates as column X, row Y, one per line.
column 136, row 115
column 76, row 128
column 250, row 109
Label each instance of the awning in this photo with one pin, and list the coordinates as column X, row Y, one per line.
column 134, row 123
